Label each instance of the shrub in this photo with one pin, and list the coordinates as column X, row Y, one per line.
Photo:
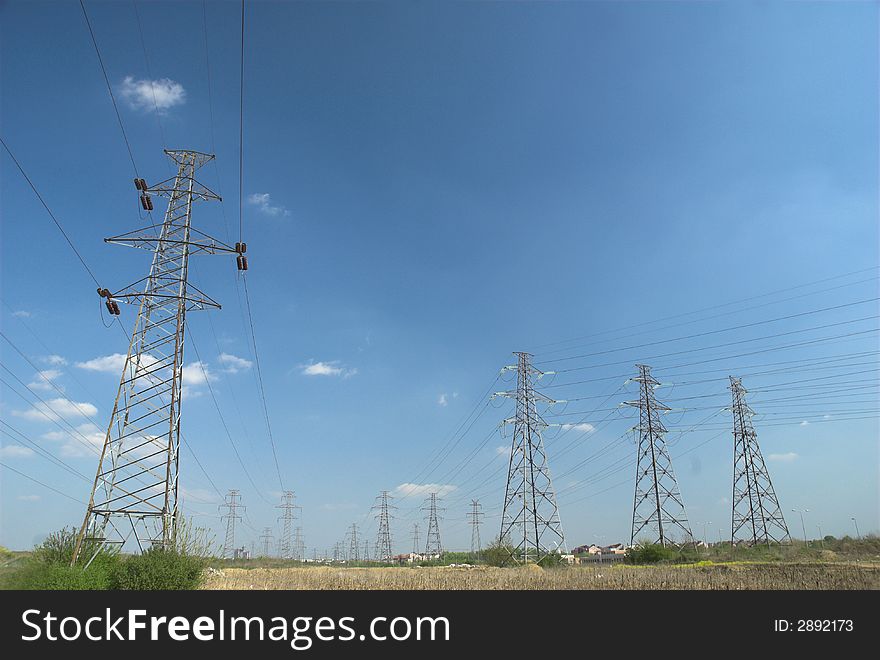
column 49, row 567
column 499, row 554
column 158, row 569
column 650, row 553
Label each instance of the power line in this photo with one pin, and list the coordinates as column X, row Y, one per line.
column 49, row 211
column 241, row 135
column 37, row 481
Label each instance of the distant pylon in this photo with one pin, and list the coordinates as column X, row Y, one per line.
column 299, row 545
column 657, row 504
column 232, row 505
column 416, row 539
column 288, row 507
column 383, row 508
column 474, row 516
column 433, row 546
column 529, row 498
column 266, row 538
column 133, row 503
column 757, row 516
column 366, row 550
column 354, row 548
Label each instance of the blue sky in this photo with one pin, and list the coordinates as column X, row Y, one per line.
column 429, row 187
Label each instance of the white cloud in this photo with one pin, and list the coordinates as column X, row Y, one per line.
column 56, row 409
column 196, row 373
column 29, row 498
column 111, row 364
column 502, row 450
column 16, row 451
column 581, row 428
column 783, row 458
column 55, row 360
column 22, row 314
column 332, row 368
column 263, row 201
column 44, row 379
column 805, row 423
column 201, row 495
column 76, row 445
column 416, row 490
column 233, row 364
column 443, row 400
column 152, row 95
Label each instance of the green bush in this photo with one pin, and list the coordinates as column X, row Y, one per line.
column 499, row 554
column 158, row 569
column 651, row 553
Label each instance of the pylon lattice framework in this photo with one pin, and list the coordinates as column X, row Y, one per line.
column 416, row 539
column 354, row 548
column 383, row 508
column 657, row 504
column 266, row 539
column 756, row 515
column 299, row 545
column 288, row 507
column 529, row 498
column 474, row 516
column 232, row 506
column 134, row 498
column 433, row 545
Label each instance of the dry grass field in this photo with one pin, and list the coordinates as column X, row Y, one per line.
column 714, row 576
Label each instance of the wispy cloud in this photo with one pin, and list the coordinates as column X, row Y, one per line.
column 152, row 95
column 580, row 428
column 87, row 440
column 197, row 373
column 233, row 364
column 16, row 451
column 263, row 201
column 805, row 423
column 416, row 490
column 44, row 380
column 22, row 314
column 57, row 409
column 783, row 458
column 502, row 450
column 29, row 498
column 55, row 360
column 111, row 364
column 443, row 400
column 331, row 368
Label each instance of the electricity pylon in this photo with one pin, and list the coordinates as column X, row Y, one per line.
column 134, row 495
column 266, row 538
column 756, row 514
column 529, row 498
column 433, row 546
column 299, row 545
column 232, row 505
column 474, row 516
column 383, row 515
column 657, row 504
column 288, row 507
column 366, row 550
column 354, row 548
column 416, row 538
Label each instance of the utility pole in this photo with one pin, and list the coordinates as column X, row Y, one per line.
column 299, row 545
column 657, row 504
column 233, row 505
column 474, row 516
column 354, row 547
column 529, row 498
column 756, row 515
column 433, row 546
column 288, row 507
column 383, row 508
column 133, row 503
column 416, row 539
column 266, row 538
column 803, row 525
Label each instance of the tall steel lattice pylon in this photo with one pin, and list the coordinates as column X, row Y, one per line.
column 756, row 515
column 299, row 545
column 354, row 547
column 288, row 508
column 266, row 539
column 366, row 556
column 529, row 498
column 433, row 545
column 416, row 539
column 383, row 509
column 134, row 500
column 232, row 506
column 657, row 505
column 474, row 516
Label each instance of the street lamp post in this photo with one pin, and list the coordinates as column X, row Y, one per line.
column 858, row 536
column 821, row 537
column 803, row 525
